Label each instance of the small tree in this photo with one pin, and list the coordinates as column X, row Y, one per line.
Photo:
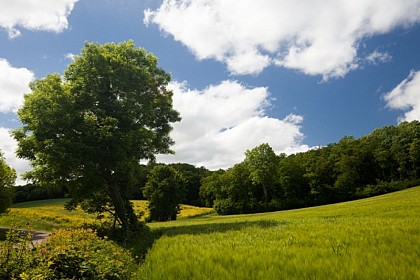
column 164, row 191
column 7, row 180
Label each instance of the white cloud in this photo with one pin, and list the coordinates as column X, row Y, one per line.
column 222, row 121
column 8, row 146
column 378, row 57
column 14, row 83
column 70, row 56
column 316, row 37
column 48, row 15
column 406, row 96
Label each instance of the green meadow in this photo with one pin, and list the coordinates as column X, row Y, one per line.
column 50, row 214
column 374, row 238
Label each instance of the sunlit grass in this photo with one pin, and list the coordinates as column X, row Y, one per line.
column 50, row 214
column 44, row 215
column 375, row 238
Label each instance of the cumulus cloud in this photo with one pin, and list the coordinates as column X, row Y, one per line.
column 8, row 147
column 406, row 96
column 222, row 121
column 14, row 83
column 48, row 15
column 316, row 37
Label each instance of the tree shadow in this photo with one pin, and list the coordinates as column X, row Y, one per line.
column 217, row 227
column 200, row 229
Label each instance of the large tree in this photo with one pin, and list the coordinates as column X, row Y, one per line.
column 89, row 129
column 7, row 180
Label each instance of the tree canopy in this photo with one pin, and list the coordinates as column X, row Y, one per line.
column 89, row 129
column 7, row 180
column 385, row 160
column 164, row 191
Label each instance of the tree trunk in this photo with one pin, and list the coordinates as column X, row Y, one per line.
column 265, row 195
column 123, row 209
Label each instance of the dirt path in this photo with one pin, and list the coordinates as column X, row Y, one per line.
column 37, row 236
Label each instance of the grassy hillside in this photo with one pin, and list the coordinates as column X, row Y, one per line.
column 50, row 214
column 375, row 238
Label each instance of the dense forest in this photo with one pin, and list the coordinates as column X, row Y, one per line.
column 386, row 160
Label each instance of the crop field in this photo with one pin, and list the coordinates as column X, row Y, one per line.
column 50, row 214
column 374, row 238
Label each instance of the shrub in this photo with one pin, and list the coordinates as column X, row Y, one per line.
column 225, row 206
column 69, row 254
column 16, row 254
column 382, row 187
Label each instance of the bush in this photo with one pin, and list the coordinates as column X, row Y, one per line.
column 138, row 239
column 382, row 187
column 226, row 207
column 67, row 254
column 16, row 254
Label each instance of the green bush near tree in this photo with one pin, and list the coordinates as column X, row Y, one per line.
column 67, row 254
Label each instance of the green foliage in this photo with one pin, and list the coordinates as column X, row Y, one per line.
column 374, row 238
column 164, row 191
column 192, row 177
column 210, row 186
column 386, row 187
column 16, row 254
column 262, row 165
column 386, row 160
column 67, row 254
column 32, row 192
column 236, row 192
column 89, row 130
column 7, row 180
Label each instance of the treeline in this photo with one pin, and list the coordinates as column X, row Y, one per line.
column 386, row 160
column 32, row 192
column 191, row 183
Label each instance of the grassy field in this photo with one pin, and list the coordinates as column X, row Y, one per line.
column 50, row 214
column 375, row 238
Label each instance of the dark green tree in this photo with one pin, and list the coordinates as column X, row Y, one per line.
column 236, row 193
column 210, row 188
column 292, row 179
column 7, row 180
column 89, row 129
column 262, row 164
column 165, row 192
column 414, row 153
column 192, row 181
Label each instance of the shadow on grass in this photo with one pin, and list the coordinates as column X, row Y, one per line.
column 217, row 227
column 144, row 245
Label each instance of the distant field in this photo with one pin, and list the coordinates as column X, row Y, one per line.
column 374, row 238
column 50, row 214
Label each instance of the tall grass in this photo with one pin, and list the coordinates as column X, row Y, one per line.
column 375, row 238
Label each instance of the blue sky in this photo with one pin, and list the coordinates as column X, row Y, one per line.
column 294, row 74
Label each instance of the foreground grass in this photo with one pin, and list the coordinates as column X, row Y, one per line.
column 375, row 238
column 50, row 214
